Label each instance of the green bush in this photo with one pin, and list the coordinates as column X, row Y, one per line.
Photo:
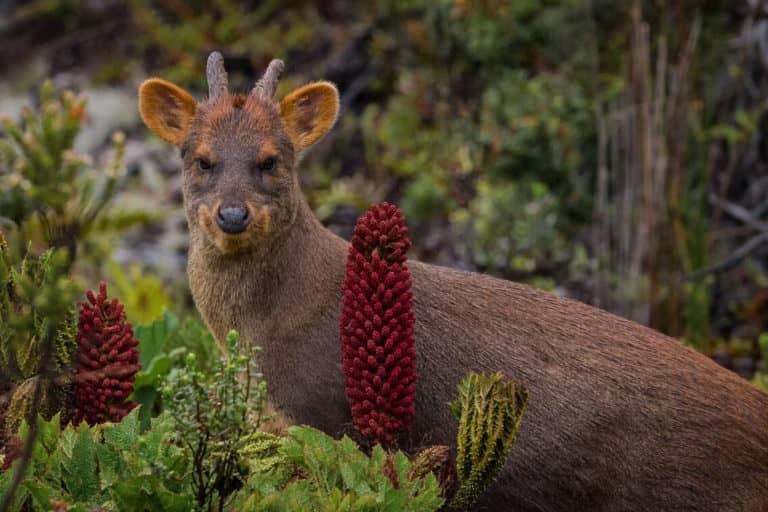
column 113, row 466
column 205, row 452
column 337, row 476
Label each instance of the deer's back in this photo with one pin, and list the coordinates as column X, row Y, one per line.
column 620, row 417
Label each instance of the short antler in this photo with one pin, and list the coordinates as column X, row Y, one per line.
column 217, row 75
column 267, row 85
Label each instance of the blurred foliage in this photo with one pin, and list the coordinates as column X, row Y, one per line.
column 177, row 29
column 49, row 194
column 143, row 294
column 761, row 377
column 45, row 185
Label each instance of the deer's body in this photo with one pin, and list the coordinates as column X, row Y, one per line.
column 620, row 417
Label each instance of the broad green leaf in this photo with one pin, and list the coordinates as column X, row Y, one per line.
column 152, row 337
column 146, row 398
column 67, row 442
column 157, row 368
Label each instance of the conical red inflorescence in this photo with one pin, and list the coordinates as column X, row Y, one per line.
column 377, row 321
column 107, row 361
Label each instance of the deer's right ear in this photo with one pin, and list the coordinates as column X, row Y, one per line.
column 166, row 109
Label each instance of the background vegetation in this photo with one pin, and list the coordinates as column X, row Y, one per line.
column 610, row 151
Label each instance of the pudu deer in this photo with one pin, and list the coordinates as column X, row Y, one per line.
column 620, row 417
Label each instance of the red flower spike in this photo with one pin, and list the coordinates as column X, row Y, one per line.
column 107, row 361
column 377, row 321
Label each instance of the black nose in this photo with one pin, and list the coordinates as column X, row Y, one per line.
column 232, row 219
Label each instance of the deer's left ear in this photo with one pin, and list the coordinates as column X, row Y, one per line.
column 166, row 109
column 309, row 112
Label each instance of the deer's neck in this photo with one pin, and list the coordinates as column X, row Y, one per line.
column 261, row 293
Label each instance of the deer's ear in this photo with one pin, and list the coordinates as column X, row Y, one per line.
column 309, row 112
column 166, row 109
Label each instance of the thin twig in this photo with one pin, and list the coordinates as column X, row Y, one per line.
column 734, row 259
column 738, row 212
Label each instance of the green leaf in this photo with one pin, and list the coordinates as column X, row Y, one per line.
column 112, row 465
column 157, row 368
column 123, row 435
column 41, row 493
column 146, row 398
column 152, row 337
column 5, row 481
column 80, row 475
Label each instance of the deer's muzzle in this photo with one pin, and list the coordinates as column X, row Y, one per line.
column 233, row 219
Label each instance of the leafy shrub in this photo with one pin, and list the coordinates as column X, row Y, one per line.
column 113, row 466
column 216, row 416
column 337, row 476
column 47, row 191
column 204, row 452
column 37, row 334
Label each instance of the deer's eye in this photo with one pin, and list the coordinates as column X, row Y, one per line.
column 268, row 164
column 204, row 165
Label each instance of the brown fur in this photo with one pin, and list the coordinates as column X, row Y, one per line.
column 620, row 417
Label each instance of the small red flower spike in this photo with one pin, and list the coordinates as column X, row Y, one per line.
column 107, row 361
column 377, row 321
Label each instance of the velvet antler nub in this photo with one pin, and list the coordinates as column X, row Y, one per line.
column 267, row 84
column 218, row 83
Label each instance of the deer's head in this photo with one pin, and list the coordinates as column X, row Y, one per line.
column 240, row 152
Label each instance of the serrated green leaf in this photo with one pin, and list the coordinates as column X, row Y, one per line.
column 112, row 466
column 351, row 478
column 67, row 442
column 366, row 503
column 80, row 476
column 48, row 432
column 124, row 434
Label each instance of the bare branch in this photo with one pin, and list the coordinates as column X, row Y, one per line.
column 739, row 213
column 734, row 259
